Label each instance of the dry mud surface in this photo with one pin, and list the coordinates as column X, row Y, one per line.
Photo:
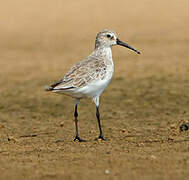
column 141, row 110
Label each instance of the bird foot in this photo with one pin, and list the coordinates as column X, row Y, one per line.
column 79, row 139
column 101, row 137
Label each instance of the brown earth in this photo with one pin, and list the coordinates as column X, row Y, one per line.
column 141, row 109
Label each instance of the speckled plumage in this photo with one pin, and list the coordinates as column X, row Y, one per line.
column 97, row 70
column 90, row 77
column 81, row 74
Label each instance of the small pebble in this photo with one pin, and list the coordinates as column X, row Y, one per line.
column 153, row 157
column 173, row 126
column 123, row 130
column 107, row 171
column 61, row 124
column 11, row 138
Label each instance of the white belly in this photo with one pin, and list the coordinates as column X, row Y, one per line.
column 93, row 89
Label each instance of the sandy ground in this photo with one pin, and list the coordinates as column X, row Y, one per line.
column 141, row 109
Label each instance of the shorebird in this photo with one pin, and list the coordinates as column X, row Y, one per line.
column 89, row 77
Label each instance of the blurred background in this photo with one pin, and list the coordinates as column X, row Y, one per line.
column 64, row 30
column 141, row 109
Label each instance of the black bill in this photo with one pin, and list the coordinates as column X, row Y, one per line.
column 127, row 46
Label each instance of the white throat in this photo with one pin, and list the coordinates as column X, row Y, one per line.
column 103, row 52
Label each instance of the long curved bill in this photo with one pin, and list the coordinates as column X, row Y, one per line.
column 127, row 46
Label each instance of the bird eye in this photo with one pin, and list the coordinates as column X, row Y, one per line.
column 108, row 36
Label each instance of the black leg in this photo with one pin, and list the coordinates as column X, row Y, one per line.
column 101, row 136
column 76, row 126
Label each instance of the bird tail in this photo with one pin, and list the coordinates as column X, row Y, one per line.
column 48, row 88
column 51, row 88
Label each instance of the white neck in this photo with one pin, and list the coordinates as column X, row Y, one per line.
column 103, row 52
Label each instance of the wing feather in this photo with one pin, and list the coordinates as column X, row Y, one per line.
column 81, row 74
